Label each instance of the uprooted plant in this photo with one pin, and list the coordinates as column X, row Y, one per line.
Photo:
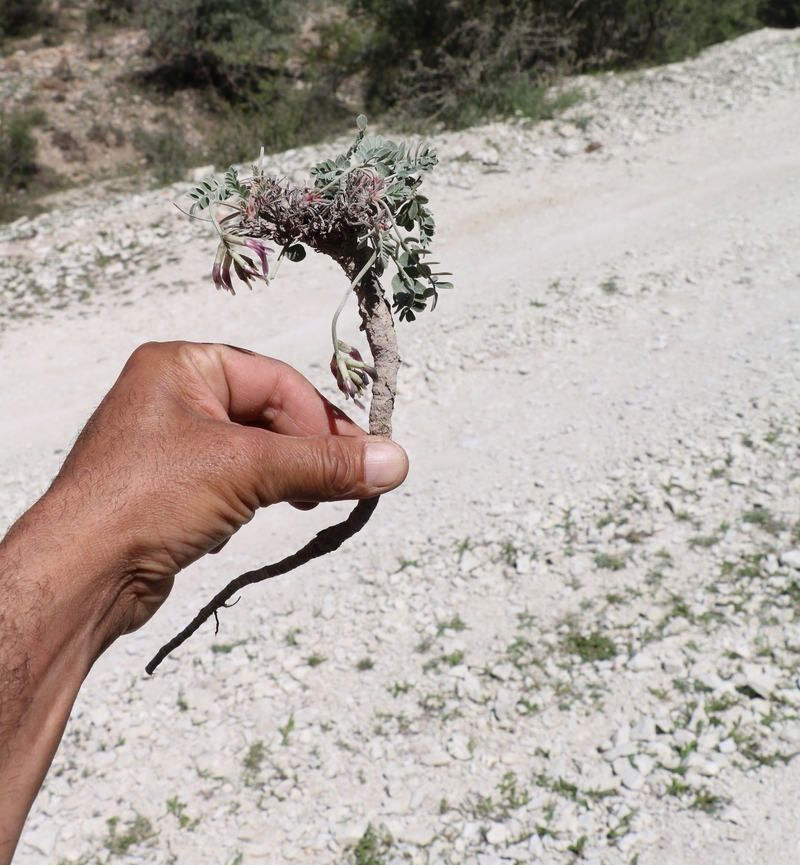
column 363, row 209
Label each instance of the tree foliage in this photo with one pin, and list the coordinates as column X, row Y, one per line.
column 454, row 60
column 21, row 18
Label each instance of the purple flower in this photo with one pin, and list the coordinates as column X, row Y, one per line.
column 221, row 271
column 351, row 373
column 261, row 251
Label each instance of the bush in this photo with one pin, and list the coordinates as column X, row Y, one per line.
column 20, row 18
column 632, row 32
column 465, row 59
column 165, row 151
column 17, row 151
column 780, row 13
column 458, row 61
column 230, row 44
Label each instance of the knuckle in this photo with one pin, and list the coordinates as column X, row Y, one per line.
column 340, row 471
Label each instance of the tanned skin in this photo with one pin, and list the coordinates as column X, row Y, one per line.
column 187, row 445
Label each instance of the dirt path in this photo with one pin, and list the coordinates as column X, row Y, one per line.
column 602, row 424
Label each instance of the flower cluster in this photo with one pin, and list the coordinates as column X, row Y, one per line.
column 243, row 265
column 351, row 373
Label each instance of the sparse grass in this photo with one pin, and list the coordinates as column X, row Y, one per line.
column 764, row 519
column 365, row 664
column 176, row 807
column 398, row 689
column 577, row 847
column 608, row 563
column 677, row 788
column 226, row 648
column 256, row 755
column 706, row 801
column 138, row 831
column 291, row 637
column 408, row 563
column 610, row 285
column 371, row 849
column 286, row 730
column 455, row 624
column 721, row 703
column 315, row 660
column 594, row 647
column 598, row 795
column 423, row 646
column 704, row 541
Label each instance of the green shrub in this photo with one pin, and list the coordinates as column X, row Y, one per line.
column 780, row 13
column 458, row 61
column 231, row 44
column 165, row 151
column 21, row 18
column 461, row 60
column 17, row 151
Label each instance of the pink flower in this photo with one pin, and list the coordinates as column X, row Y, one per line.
column 261, row 251
column 351, row 373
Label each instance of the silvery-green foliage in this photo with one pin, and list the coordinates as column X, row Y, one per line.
column 400, row 226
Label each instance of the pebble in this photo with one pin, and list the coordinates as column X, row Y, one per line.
column 630, row 777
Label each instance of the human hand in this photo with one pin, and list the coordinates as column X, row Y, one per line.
column 184, row 448
column 188, row 443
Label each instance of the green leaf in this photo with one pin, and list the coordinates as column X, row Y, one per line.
column 295, row 252
column 361, row 122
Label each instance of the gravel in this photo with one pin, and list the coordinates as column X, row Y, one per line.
column 582, row 610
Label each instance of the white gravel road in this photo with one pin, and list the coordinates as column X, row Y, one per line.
column 581, row 611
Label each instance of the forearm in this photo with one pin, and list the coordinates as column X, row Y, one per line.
column 57, row 613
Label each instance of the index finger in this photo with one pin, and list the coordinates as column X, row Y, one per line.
column 261, row 391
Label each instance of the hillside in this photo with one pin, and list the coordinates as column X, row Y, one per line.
column 581, row 611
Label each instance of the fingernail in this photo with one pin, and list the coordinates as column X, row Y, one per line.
column 384, row 464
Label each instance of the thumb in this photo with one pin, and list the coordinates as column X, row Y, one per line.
column 328, row 468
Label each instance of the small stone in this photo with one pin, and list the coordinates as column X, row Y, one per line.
column 43, row 839
column 416, row 834
column 641, row 662
column 349, row 834
column 676, row 626
column 762, row 684
column 502, row 672
column 100, row 715
column 458, row 747
column 701, row 765
column 707, row 742
column 683, row 736
column 733, row 815
column 791, row 558
column 497, row 834
column 488, row 157
column 727, row 746
column 626, row 750
column 622, row 735
column 436, row 758
column 469, row 561
column 644, row 730
column 630, row 777
column 644, row 763
column 470, row 687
